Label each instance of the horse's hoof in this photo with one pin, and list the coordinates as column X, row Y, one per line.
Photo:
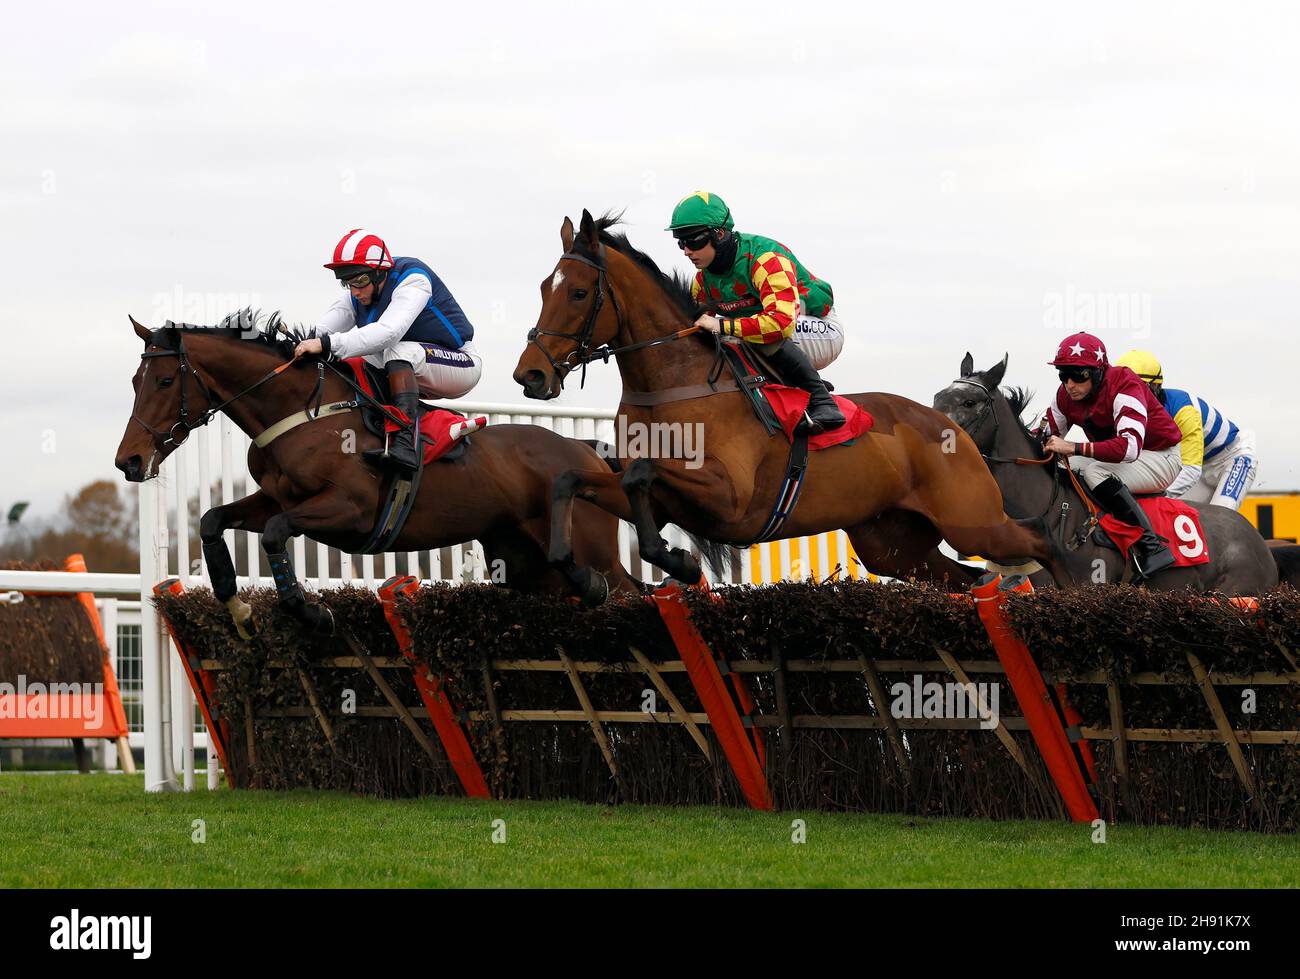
column 688, row 569
column 319, row 619
column 242, row 614
column 594, row 589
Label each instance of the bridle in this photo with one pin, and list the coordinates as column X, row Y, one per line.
column 185, row 425
column 582, row 354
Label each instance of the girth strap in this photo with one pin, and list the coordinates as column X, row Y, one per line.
column 685, row 393
column 795, row 471
column 301, row 418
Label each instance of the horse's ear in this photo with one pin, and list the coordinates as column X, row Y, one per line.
column 143, row 332
column 566, row 234
column 993, row 376
column 967, row 365
column 588, row 228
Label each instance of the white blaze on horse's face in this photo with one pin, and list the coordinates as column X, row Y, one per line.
column 556, row 280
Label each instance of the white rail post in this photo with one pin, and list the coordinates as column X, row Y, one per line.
column 205, row 504
column 108, row 616
column 158, row 776
column 182, row 695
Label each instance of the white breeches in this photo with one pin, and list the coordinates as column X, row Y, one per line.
column 820, row 337
column 1151, row 472
column 439, row 372
column 1227, row 478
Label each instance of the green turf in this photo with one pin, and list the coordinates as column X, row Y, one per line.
column 103, row 830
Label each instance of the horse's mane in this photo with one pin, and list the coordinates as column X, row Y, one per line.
column 247, row 325
column 1019, row 398
column 675, row 284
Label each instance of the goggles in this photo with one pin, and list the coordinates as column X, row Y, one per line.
column 695, row 242
column 357, row 281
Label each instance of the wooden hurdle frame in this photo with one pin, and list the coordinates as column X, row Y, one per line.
column 1055, row 727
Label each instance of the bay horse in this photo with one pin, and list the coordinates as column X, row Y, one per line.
column 913, row 480
column 1036, row 487
column 312, row 479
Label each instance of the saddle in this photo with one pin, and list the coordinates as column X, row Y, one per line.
column 443, row 437
column 374, row 382
column 1099, row 535
column 779, row 407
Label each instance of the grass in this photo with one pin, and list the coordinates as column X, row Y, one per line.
column 105, row 831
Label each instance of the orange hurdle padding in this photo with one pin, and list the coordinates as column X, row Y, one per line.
column 77, row 563
column 1065, row 709
column 723, row 716
column 740, row 684
column 1027, row 683
column 53, row 713
column 203, row 684
column 429, row 685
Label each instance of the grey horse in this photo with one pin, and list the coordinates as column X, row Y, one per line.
column 1044, row 498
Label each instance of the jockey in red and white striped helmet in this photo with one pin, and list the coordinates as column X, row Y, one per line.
column 396, row 314
column 359, row 252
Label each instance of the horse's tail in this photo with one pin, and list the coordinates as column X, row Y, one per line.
column 1286, row 555
column 719, row 558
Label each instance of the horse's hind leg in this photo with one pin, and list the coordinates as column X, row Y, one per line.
column 251, row 514
column 330, row 511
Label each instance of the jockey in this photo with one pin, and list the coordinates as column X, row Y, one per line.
column 765, row 294
column 1134, row 447
column 395, row 313
column 1219, row 462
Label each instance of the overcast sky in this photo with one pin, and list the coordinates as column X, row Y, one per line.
column 967, row 176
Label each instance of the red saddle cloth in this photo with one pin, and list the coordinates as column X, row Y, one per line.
column 440, row 429
column 790, row 404
column 1177, row 522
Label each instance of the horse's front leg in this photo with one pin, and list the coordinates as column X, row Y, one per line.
column 251, row 514
column 330, row 511
column 604, row 489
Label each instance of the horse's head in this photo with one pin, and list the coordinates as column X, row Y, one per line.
column 971, row 401
column 578, row 312
column 155, row 428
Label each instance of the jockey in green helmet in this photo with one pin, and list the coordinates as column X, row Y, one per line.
column 758, row 290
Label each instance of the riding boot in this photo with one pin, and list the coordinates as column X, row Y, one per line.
column 795, row 368
column 1150, row 553
column 401, row 444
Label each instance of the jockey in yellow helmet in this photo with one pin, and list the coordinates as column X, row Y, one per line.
column 1219, row 463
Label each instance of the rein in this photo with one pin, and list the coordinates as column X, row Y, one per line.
column 187, row 370
column 309, row 413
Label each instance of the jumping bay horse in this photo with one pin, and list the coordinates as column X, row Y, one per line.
column 312, row 479
column 915, row 479
column 1035, row 486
